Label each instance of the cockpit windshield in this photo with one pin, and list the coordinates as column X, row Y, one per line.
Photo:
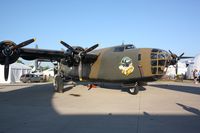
column 130, row 46
column 123, row 47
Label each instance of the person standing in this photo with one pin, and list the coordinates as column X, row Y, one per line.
column 199, row 76
column 195, row 75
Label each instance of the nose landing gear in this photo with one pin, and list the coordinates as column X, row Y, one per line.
column 134, row 89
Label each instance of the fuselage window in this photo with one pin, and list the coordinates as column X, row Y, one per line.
column 161, row 56
column 161, row 62
column 160, row 70
column 154, row 56
column 139, row 57
column 155, row 50
column 154, row 62
column 154, row 70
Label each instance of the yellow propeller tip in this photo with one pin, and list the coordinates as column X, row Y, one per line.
column 34, row 39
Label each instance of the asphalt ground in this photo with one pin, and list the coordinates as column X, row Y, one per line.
column 160, row 107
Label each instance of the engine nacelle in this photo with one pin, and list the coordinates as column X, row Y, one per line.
column 6, row 47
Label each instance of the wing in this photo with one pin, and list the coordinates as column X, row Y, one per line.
column 52, row 55
column 10, row 52
column 32, row 54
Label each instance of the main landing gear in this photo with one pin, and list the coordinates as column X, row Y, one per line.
column 58, row 84
column 61, row 85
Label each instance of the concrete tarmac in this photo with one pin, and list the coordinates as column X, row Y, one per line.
column 160, row 107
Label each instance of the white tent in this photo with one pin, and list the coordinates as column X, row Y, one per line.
column 171, row 71
column 194, row 64
column 16, row 70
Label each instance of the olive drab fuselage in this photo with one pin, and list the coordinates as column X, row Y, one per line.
column 125, row 64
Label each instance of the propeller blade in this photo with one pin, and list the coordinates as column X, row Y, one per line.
column 176, row 68
column 68, row 46
column 80, row 70
column 91, row 48
column 25, row 43
column 170, row 52
column 6, row 68
column 173, row 55
column 83, row 53
column 181, row 55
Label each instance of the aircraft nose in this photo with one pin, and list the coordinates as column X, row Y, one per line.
column 159, row 60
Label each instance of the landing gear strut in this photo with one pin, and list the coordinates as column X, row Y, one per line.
column 134, row 89
column 58, row 84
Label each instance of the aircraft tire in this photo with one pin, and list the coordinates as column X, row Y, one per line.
column 59, row 84
column 134, row 90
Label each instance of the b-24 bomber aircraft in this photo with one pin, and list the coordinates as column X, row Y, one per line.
column 123, row 64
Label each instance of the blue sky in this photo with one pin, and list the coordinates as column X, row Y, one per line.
column 165, row 24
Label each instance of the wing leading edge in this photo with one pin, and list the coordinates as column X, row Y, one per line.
column 32, row 54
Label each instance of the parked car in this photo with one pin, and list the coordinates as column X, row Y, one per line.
column 28, row 78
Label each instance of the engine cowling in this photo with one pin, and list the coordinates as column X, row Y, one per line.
column 77, row 54
column 9, row 53
column 6, row 49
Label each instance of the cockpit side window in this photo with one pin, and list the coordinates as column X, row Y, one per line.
column 130, row 47
column 123, row 47
column 118, row 49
